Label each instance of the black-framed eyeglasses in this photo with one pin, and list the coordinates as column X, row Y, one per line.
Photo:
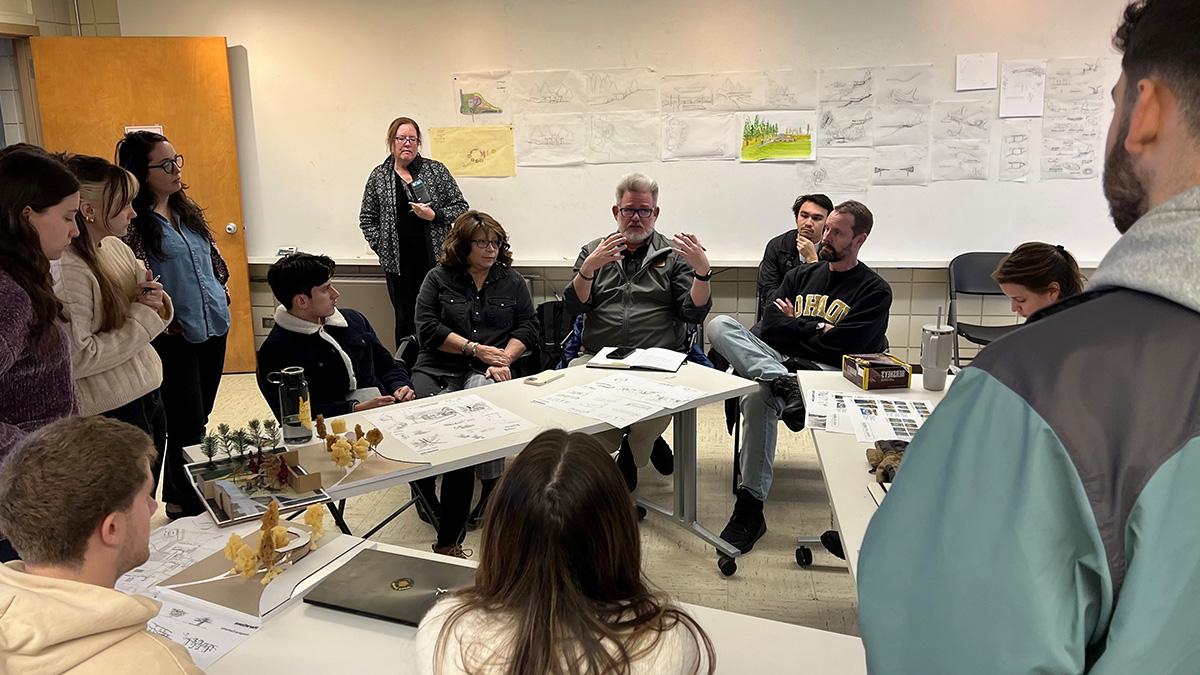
column 484, row 244
column 169, row 165
column 407, row 140
column 640, row 213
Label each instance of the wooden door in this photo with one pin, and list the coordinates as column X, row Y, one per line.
column 90, row 88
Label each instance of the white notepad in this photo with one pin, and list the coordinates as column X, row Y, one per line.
column 654, row 358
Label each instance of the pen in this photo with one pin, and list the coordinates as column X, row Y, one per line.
column 155, row 279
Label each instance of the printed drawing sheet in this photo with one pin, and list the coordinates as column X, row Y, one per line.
column 207, row 636
column 842, row 175
column 877, row 418
column 549, row 91
column 963, row 120
column 845, row 126
column 975, row 71
column 551, row 140
column 700, row 136
column 791, row 89
column 623, row 137
column 444, row 422
column 1071, row 127
column 621, row 400
column 714, row 92
column 621, row 89
column 847, row 87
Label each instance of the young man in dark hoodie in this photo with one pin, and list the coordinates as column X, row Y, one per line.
column 821, row 311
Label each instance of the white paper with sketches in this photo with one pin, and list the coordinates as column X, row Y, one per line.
column 1016, row 149
column 445, row 422
column 975, row 71
column 600, row 403
column 207, row 636
column 1022, row 88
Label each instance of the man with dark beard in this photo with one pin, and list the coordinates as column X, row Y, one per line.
column 821, row 311
column 1044, row 520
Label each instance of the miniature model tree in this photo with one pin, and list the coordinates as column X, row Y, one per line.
column 256, row 436
column 223, row 435
column 241, row 441
column 273, row 433
column 209, row 447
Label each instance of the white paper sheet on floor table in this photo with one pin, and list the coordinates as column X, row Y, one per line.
column 600, row 403
column 447, row 422
column 826, row 411
column 877, row 418
column 207, row 636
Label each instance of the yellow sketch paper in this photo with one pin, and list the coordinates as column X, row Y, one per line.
column 474, row 151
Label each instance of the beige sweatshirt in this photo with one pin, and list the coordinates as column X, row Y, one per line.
column 117, row 366
column 50, row 626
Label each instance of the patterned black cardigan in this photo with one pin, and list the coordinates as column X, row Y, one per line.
column 377, row 218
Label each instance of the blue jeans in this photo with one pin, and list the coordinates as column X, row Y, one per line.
column 754, row 359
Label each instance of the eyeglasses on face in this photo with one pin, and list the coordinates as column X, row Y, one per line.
column 640, row 213
column 171, row 165
column 484, row 244
column 407, row 140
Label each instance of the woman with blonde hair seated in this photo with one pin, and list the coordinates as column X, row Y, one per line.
column 559, row 587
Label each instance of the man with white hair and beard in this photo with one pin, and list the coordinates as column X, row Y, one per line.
column 820, row 311
column 637, row 288
column 1044, row 520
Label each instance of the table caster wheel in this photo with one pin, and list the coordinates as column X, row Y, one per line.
column 803, row 556
column 727, row 565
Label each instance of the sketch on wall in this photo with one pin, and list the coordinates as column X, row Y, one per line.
column 551, row 139
column 903, row 85
column 845, row 127
column 839, row 177
column 1016, row 150
column 621, row 89
column 548, row 91
column 778, row 136
column 482, row 96
column 901, row 125
column 900, row 165
column 623, row 137
column 688, row 136
column 960, row 160
column 846, row 87
column 1022, row 88
column 963, row 120
column 791, row 89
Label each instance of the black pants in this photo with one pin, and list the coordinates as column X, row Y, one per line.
column 191, row 375
column 403, row 289
column 148, row 414
column 458, row 486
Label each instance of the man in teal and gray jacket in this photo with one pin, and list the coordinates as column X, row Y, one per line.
column 1045, row 518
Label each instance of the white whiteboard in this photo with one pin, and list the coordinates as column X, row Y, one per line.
column 315, row 84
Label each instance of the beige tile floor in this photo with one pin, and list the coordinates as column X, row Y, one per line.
column 768, row 582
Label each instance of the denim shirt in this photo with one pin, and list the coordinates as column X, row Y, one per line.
column 187, row 276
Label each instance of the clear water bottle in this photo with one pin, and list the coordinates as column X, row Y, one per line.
column 295, row 409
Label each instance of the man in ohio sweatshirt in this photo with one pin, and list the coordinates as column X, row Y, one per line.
column 78, row 497
column 821, row 311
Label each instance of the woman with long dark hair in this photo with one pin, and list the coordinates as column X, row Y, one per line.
column 1036, row 275
column 38, row 201
column 559, row 587
column 408, row 206
column 116, row 307
column 170, row 234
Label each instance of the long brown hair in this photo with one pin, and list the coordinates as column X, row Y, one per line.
column 457, row 248
column 561, row 561
column 133, row 154
column 1036, row 265
column 31, row 177
column 108, row 188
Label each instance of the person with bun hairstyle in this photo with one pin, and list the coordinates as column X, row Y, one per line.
column 1037, row 275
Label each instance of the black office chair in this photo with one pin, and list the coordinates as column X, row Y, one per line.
column 971, row 274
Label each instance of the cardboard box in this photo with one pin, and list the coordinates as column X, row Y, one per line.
column 876, row 371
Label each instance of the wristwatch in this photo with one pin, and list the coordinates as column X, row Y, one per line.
column 703, row 277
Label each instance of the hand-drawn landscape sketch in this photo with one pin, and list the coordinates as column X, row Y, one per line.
column 845, row 126
column 551, row 140
column 621, row 89
column 847, row 87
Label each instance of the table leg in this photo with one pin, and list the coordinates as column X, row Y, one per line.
column 684, row 499
column 339, row 516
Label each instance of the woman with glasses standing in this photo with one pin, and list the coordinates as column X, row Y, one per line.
column 475, row 317
column 170, row 234
column 408, row 206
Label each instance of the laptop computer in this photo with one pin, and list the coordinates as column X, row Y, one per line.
column 389, row 586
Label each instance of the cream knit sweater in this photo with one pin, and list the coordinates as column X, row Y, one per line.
column 114, row 367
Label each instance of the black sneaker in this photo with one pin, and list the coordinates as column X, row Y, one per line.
column 626, row 465
column 832, row 541
column 662, row 458
column 788, row 389
column 747, row 525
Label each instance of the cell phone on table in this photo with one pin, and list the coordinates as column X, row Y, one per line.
column 419, row 192
column 620, row 352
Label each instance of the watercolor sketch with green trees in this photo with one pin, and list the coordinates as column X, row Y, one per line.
column 782, row 136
